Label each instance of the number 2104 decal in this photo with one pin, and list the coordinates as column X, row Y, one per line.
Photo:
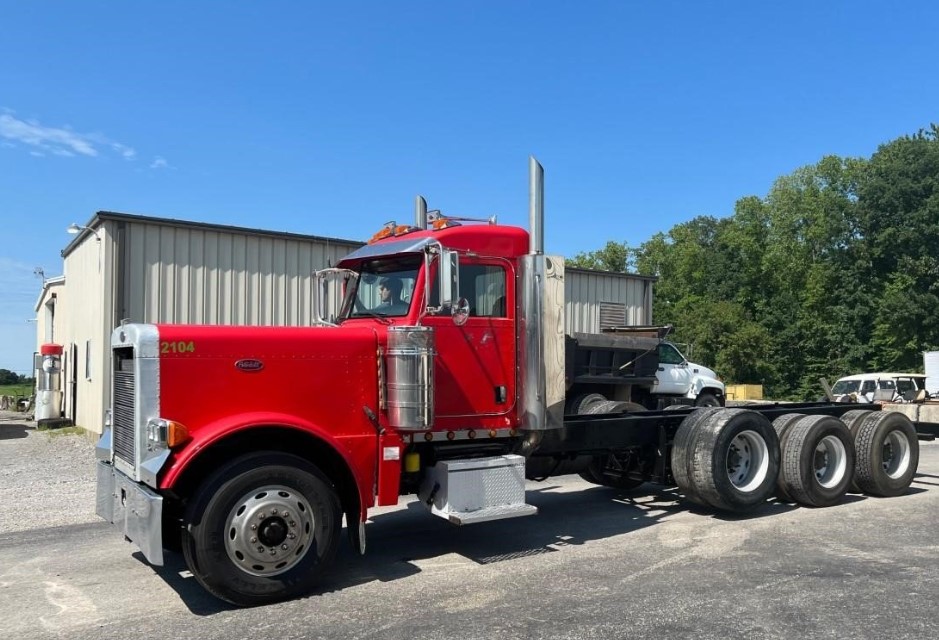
column 177, row 347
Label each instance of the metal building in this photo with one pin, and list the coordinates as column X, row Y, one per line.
column 146, row 269
column 597, row 300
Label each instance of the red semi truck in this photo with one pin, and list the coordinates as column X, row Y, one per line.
column 439, row 367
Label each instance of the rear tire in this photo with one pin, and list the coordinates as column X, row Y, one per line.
column 263, row 528
column 594, row 473
column 735, row 462
column 818, row 461
column 853, row 420
column 579, row 404
column 782, row 425
column 887, row 454
column 613, row 406
column 682, row 452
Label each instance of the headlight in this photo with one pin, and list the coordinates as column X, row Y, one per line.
column 165, row 433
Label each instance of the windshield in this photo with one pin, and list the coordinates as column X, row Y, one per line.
column 846, row 386
column 386, row 286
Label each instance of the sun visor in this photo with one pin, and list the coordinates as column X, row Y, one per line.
column 409, row 245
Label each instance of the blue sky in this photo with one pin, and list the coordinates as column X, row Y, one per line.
column 328, row 118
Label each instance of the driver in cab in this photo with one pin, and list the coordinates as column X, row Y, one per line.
column 391, row 303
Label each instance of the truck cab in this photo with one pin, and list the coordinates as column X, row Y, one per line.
column 678, row 377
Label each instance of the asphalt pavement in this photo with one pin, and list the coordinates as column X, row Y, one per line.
column 594, row 563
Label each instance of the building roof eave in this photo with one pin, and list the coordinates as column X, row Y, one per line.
column 45, row 288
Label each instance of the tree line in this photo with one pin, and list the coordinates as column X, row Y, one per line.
column 8, row 377
column 835, row 271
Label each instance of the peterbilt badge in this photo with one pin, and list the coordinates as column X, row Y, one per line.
column 249, row 365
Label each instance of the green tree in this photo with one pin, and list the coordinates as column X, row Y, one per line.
column 615, row 256
column 835, row 271
column 899, row 202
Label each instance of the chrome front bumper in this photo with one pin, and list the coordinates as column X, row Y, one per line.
column 133, row 508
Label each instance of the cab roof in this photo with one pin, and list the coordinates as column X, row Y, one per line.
column 482, row 239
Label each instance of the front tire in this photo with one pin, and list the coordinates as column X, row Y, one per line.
column 262, row 529
column 707, row 400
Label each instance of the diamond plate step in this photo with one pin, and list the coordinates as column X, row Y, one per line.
column 492, row 513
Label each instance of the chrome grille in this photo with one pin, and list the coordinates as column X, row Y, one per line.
column 123, row 411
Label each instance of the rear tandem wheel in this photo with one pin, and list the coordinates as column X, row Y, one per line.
column 734, row 459
column 818, row 461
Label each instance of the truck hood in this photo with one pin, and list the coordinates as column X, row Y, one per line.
column 319, row 375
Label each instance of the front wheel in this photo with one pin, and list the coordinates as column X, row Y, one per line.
column 262, row 529
column 707, row 400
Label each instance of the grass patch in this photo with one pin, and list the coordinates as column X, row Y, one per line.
column 21, row 390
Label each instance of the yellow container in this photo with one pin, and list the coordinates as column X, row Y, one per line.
column 412, row 462
column 744, row 392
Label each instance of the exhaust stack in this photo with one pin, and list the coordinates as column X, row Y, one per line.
column 540, row 321
column 535, row 206
column 420, row 213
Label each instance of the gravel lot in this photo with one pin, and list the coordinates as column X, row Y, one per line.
column 593, row 563
column 50, row 469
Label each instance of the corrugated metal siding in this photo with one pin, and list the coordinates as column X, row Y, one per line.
column 84, row 329
column 201, row 276
column 585, row 290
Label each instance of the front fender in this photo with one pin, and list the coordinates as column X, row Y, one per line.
column 358, row 452
column 701, row 383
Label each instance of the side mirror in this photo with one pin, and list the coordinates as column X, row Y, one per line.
column 449, row 280
column 332, row 295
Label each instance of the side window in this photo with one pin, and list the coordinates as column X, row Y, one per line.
column 669, row 354
column 868, row 386
column 483, row 285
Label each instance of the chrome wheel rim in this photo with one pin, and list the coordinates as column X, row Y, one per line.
column 896, row 454
column 747, row 461
column 269, row 530
column 830, row 461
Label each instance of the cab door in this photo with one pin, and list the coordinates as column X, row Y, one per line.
column 475, row 365
column 673, row 376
